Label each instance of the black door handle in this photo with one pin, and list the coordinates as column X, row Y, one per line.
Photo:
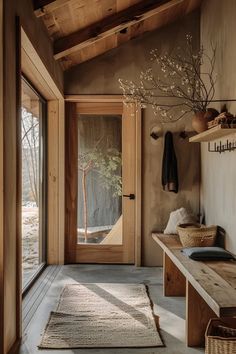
column 130, row 196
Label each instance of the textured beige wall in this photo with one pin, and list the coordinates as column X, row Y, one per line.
column 218, row 191
column 100, row 76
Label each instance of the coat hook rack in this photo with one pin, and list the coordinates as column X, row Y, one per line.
column 183, row 135
column 228, row 146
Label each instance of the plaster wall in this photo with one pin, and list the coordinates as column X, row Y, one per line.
column 100, row 76
column 218, row 188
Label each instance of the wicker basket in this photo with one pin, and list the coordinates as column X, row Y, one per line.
column 196, row 235
column 220, row 344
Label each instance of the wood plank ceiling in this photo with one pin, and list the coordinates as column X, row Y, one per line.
column 83, row 29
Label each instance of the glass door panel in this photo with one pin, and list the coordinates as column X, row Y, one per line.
column 32, row 134
column 99, row 219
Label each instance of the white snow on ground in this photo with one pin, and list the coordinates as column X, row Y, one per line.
column 30, row 241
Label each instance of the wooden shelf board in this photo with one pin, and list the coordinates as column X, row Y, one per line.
column 212, row 134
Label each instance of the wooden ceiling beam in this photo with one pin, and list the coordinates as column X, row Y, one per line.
column 42, row 7
column 110, row 25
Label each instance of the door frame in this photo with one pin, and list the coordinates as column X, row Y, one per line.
column 136, row 112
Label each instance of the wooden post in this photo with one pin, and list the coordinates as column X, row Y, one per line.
column 198, row 314
column 2, row 253
column 174, row 280
column 71, row 181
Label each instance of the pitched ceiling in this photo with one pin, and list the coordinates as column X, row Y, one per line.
column 83, row 29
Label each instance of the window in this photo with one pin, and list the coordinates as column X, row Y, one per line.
column 99, row 218
column 33, row 167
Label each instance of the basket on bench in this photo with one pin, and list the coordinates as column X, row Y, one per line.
column 221, row 336
column 196, row 235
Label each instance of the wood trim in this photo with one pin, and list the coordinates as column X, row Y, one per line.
column 110, row 254
column 52, row 178
column 15, row 347
column 2, row 255
column 55, row 231
column 71, row 181
column 61, row 181
column 38, row 72
column 31, row 72
column 129, row 182
column 94, row 98
column 19, row 184
column 138, row 182
column 110, row 25
column 100, row 108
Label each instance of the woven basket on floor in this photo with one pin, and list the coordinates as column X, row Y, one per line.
column 196, row 235
column 216, row 344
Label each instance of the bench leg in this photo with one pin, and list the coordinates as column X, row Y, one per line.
column 174, row 280
column 198, row 314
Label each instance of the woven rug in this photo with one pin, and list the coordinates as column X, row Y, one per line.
column 102, row 316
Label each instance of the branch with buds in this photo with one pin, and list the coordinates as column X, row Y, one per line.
column 174, row 85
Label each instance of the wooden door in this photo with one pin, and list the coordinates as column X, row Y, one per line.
column 95, row 242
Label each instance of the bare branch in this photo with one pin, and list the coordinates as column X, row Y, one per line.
column 176, row 77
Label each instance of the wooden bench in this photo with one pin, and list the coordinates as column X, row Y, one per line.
column 209, row 287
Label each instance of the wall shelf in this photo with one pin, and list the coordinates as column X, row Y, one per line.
column 217, row 132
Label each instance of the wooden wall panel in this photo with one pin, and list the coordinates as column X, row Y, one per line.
column 71, row 181
column 10, row 183
column 1, row 184
column 18, row 182
column 100, row 108
column 128, row 181
column 138, row 187
column 53, row 157
column 61, row 181
column 55, row 231
column 10, row 269
column 12, row 196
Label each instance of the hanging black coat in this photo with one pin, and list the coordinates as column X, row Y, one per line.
column 169, row 166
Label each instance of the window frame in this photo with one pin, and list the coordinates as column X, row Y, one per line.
column 44, row 195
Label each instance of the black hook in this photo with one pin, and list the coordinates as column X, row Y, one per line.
column 154, row 135
column 183, row 135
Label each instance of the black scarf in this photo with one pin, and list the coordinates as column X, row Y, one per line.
column 169, row 166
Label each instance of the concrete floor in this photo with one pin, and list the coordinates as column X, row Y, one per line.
column 170, row 310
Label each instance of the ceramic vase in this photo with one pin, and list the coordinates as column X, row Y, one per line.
column 199, row 122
